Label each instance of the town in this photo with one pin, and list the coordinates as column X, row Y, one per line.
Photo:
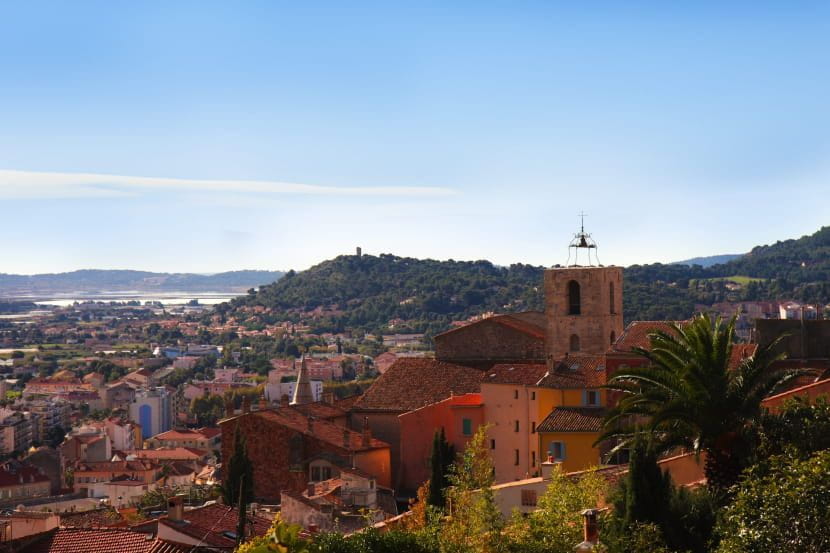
column 130, row 417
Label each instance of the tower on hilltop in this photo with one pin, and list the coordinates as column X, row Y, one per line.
column 583, row 303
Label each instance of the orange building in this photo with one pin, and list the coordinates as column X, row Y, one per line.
column 459, row 416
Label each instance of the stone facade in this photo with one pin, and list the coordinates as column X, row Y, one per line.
column 490, row 340
column 584, row 309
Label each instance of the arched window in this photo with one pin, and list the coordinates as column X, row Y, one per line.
column 613, row 337
column 574, row 301
column 611, row 296
column 574, row 342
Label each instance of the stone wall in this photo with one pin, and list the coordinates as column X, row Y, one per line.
column 488, row 340
column 599, row 321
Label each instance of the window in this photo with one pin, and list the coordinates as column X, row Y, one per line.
column 592, row 398
column 492, row 444
column 515, row 394
column 574, row 301
column 557, row 450
column 533, row 427
column 613, row 337
column 532, row 458
column 611, row 297
column 528, row 498
column 516, row 426
column 574, row 342
column 467, row 427
column 516, row 457
column 532, row 395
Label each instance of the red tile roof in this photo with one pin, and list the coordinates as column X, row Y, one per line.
column 321, row 429
column 14, row 473
column 741, row 352
column 411, row 383
column 575, row 371
column 636, row 335
column 168, row 454
column 573, row 419
column 210, row 523
column 321, row 410
column 99, row 540
column 529, row 323
column 188, row 434
column 527, row 374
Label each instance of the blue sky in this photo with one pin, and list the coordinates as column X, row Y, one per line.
column 209, row 136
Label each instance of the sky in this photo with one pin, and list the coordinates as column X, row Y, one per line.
column 211, row 136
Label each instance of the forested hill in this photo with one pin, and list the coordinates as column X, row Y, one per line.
column 351, row 292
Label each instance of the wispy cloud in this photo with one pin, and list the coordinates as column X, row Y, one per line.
column 42, row 185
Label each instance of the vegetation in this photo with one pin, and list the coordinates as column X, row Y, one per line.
column 365, row 293
column 238, row 482
column 784, row 509
column 689, row 397
column 440, row 461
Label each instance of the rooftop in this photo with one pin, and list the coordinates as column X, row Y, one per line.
column 573, row 419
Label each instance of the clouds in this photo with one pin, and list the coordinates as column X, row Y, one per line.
column 43, row 185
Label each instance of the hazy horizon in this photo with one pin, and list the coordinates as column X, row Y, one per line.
column 205, row 137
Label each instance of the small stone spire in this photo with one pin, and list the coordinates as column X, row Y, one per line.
column 302, row 391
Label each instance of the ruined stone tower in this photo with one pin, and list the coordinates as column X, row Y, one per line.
column 583, row 303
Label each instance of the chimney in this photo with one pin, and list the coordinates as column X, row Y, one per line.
column 548, row 466
column 175, row 508
column 263, row 403
column 328, row 397
column 229, row 409
column 246, row 404
column 367, row 433
column 310, row 492
column 590, row 531
column 284, row 400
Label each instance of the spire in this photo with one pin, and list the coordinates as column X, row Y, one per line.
column 302, row 391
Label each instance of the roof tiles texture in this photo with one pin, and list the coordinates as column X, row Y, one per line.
column 411, row 383
column 99, row 540
column 573, row 419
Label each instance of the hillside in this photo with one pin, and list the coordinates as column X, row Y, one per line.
column 426, row 295
column 710, row 260
column 93, row 280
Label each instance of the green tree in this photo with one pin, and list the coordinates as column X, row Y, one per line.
column 556, row 525
column 440, row 462
column 239, row 473
column 475, row 523
column 54, row 436
column 784, row 509
column 688, row 396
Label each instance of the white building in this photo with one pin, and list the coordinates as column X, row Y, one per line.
column 152, row 409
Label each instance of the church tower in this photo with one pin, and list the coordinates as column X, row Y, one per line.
column 583, row 302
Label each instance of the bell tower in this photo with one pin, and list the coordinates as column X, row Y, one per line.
column 583, row 302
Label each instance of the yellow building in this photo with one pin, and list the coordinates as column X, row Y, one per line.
column 571, row 409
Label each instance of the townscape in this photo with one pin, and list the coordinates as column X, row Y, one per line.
column 127, row 421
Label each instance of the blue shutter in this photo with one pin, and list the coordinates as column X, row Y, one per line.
column 563, row 451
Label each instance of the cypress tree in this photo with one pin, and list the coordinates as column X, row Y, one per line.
column 238, row 465
column 441, row 459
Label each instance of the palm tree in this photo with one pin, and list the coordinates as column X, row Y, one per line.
column 689, row 397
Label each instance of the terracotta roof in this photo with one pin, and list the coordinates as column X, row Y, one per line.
column 528, row 323
column 573, row 419
column 12, row 472
column 741, row 352
column 347, row 402
column 575, row 371
column 188, row 434
column 211, row 522
column 115, row 466
column 96, row 518
column 320, row 410
column 99, row 540
column 636, row 334
column 321, row 429
column 525, row 374
column 411, row 383
column 168, row 453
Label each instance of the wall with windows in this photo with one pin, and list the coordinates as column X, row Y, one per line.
column 459, row 416
column 511, row 415
column 575, row 450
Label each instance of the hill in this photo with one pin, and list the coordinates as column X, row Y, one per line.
column 95, row 280
column 351, row 292
column 709, row 260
